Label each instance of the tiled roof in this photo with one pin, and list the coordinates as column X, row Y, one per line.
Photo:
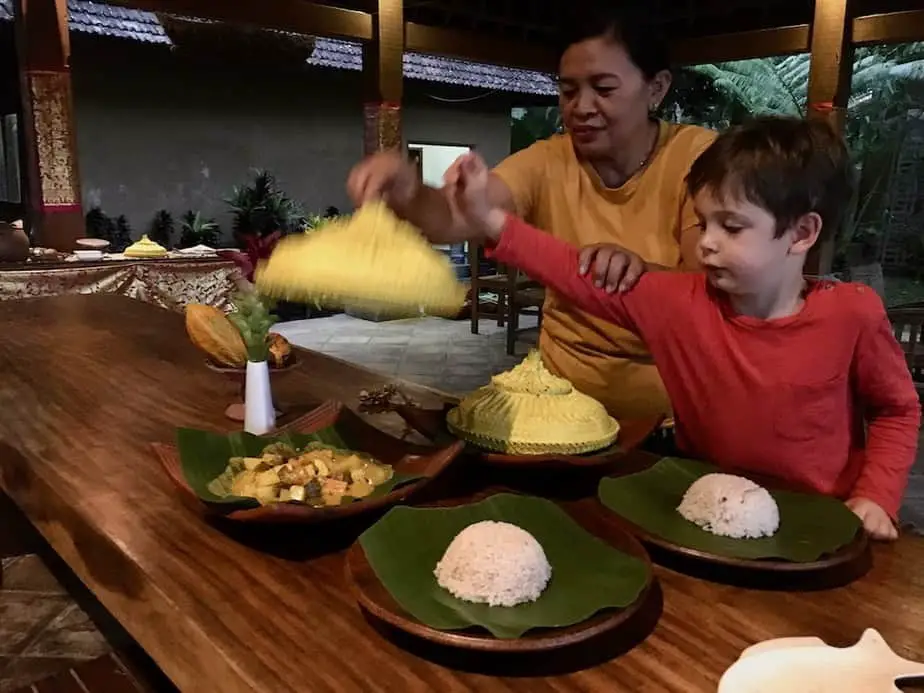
column 108, row 20
column 119, row 22
column 347, row 55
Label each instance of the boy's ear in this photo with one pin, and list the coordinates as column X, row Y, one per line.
column 805, row 232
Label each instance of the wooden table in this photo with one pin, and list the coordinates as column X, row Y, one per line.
column 88, row 381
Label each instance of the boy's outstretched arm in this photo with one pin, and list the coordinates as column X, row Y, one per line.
column 893, row 414
column 557, row 265
column 548, row 260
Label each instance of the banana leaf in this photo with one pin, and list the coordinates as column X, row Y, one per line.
column 811, row 525
column 204, row 456
column 588, row 575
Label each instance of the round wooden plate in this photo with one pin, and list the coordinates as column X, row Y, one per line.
column 236, row 410
column 239, row 374
column 844, row 565
column 431, row 423
column 377, row 601
column 852, row 553
column 428, row 462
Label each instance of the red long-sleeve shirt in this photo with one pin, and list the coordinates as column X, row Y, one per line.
column 822, row 398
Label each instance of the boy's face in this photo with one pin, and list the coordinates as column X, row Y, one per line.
column 737, row 245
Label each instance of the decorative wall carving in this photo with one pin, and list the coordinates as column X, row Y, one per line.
column 381, row 127
column 52, row 116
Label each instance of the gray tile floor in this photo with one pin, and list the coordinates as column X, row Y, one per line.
column 444, row 354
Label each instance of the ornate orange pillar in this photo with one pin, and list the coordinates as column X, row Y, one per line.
column 383, row 67
column 53, row 195
column 381, row 126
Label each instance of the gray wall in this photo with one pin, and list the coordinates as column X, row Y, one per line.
column 158, row 132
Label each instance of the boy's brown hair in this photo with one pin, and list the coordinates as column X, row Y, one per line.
column 788, row 166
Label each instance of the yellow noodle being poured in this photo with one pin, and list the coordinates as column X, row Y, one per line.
column 529, row 411
column 372, row 261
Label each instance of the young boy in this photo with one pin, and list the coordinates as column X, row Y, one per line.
column 766, row 371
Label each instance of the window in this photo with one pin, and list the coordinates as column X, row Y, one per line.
column 882, row 242
column 9, row 159
column 433, row 160
column 531, row 124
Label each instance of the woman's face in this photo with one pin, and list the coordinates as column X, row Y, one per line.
column 604, row 97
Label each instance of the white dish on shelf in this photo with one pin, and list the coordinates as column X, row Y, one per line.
column 92, row 244
column 89, row 254
column 197, row 250
column 810, row 664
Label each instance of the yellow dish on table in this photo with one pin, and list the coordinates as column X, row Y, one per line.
column 145, row 248
column 529, row 411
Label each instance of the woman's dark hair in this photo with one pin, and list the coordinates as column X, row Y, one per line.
column 644, row 43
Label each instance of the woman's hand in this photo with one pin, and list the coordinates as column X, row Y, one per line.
column 614, row 268
column 467, row 181
column 384, row 176
column 876, row 521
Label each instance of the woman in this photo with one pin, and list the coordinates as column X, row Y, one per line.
column 616, row 177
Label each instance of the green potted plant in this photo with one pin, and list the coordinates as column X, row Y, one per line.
column 161, row 229
column 196, row 229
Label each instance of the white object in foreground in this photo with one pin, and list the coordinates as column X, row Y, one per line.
column 730, row 506
column 259, row 412
column 810, row 664
column 494, row 563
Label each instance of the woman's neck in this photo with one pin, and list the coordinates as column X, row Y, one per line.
column 629, row 157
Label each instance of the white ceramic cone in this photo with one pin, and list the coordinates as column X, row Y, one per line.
column 259, row 413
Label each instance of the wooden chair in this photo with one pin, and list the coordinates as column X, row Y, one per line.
column 500, row 282
column 524, row 296
column 908, row 328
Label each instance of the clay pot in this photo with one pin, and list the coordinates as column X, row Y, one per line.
column 14, row 243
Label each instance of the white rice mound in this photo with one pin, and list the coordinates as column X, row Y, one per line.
column 494, row 563
column 730, row 506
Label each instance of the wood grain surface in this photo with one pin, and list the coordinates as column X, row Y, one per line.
column 89, row 381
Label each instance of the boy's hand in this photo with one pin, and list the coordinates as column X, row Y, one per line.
column 876, row 521
column 467, row 180
column 614, row 268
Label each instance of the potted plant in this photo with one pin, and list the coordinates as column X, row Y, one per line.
column 161, row 229
column 262, row 209
column 198, row 230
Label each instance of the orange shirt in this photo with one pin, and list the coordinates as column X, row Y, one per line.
column 651, row 215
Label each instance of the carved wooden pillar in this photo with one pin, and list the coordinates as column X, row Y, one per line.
column 53, row 195
column 383, row 67
column 829, row 91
